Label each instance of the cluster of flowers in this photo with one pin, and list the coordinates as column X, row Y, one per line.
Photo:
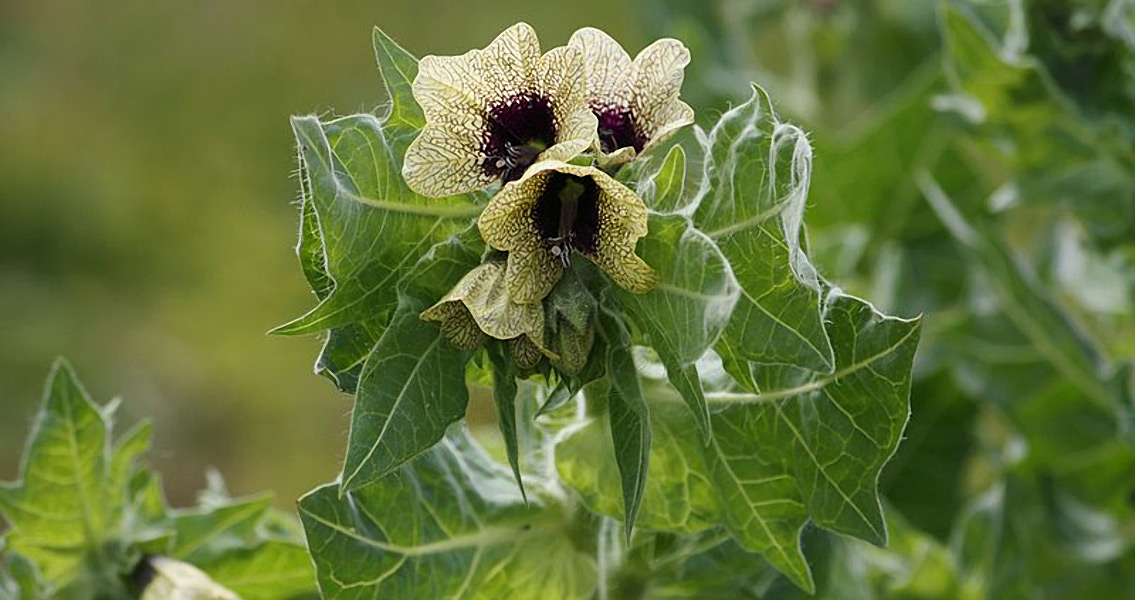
column 549, row 127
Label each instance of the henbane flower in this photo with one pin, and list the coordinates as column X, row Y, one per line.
column 491, row 113
column 636, row 101
column 556, row 208
column 478, row 307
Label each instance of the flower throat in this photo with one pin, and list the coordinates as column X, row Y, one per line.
column 567, row 216
column 519, row 129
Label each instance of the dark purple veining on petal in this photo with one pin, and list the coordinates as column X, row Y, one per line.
column 567, row 215
column 519, row 128
column 617, row 128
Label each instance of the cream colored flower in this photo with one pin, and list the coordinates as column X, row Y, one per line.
column 176, row 580
column 525, row 353
column 479, row 307
column 491, row 113
column 636, row 101
column 556, row 208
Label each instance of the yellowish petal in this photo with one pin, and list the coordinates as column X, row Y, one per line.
column 525, row 353
column 561, row 80
column 511, row 62
column 444, row 160
column 622, row 221
column 670, row 119
column 508, row 216
column 507, row 224
column 532, row 271
column 483, row 292
column 619, row 157
column 658, row 74
column 569, row 149
column 608, row 68
column 457, row 324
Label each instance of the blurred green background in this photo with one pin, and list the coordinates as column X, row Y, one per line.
column 146, row 199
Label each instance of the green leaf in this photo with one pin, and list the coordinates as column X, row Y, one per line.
column 664, row 190
column 451, row 524
column 66, row 504
column 398, row 68
column 411, row 389
column 504, row 395
column 271, row 570
column 373, row 228
column 810, row 446
column 750, row 203
column 678, row 496
column 206, row 532
column 684, row 316
column 362, row 229
column 628, row 416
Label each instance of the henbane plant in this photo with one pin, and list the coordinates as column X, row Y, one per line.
column 672, row 377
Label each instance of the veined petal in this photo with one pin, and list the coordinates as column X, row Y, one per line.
column 636, row 101
column 607, row 67
column 507, row 225
column 622, row 221
column 668, row 121
column 525, row 353
column 444, row 159
column 561, row 80
column 569, row 149
column 506, row 106
column 457, row 324
column 512, row 61
column 658, row 73
column 539, row 228
column 481, row 299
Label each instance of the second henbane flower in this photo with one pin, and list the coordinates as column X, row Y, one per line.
column 558, row 208
column 491, row 113
column 636, row 101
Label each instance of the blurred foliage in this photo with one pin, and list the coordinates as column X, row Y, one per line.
column 88, row 519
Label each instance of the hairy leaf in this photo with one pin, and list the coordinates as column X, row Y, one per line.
column 448, row 525
column 751, row 201
column 410, row 390
column 87, row 511
column 809, row 446
column 362, row 229
column 67, row 502
column 683, row 317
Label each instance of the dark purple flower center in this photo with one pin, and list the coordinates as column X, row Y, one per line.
column 567, row 215
column 617, row 128
column 519, row 129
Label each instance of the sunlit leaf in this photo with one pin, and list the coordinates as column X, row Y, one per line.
column 66, row 504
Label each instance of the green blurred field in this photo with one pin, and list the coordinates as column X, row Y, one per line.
column 146, row 200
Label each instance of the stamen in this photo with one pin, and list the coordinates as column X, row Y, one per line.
column 617, row 128
column 519, row 129
column 567, row 216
